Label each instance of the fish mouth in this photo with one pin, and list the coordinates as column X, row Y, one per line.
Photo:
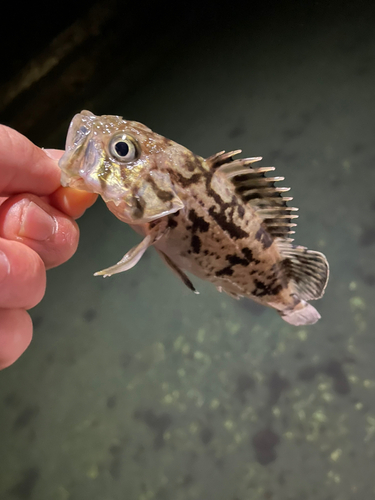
column 70, row 162
column 80, row 166
column 82, row 155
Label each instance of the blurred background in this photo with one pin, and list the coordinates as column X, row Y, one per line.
column 134, row 388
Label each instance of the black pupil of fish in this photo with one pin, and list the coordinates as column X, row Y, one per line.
column 121, row 148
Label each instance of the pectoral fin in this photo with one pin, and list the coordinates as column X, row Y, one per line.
column 131, row 258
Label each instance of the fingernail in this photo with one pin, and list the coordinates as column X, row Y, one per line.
column 36, row 224
column 54, row 154
column 4, row 266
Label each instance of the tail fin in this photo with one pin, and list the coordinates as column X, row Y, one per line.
column 303, row 314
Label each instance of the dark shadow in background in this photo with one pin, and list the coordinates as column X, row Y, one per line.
column 57, row 56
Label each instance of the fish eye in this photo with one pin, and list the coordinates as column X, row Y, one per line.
column 123, row 147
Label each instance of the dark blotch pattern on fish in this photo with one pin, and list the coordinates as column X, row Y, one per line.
column 276, row 289
column 231, row 228
column 224, row 221
column 185, row 181
column 263, row 289
column 199, row 224
column 139, row 208
column 260, row 289
column 265, row 238
column 164, row 195
column 222, row 212
column 191, row 164
column 172, row 223
column 160, row 193
column 234, row 259
column 248, row 254
column 196, row 243
column 226, row 271
column 241, row 211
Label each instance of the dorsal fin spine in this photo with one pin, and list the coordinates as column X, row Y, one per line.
column 254, row 188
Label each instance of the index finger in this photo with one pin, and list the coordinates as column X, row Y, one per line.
column 72, row 202
column 24, row 167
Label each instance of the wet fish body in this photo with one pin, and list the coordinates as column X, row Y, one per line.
column 221, row 219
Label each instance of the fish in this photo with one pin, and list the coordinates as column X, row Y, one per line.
column 222, row 219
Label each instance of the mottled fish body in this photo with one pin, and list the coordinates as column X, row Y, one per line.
column 221, row 219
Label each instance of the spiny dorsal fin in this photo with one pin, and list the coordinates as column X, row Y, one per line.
column 307, row 269
column 215, row 161
column 252, row 185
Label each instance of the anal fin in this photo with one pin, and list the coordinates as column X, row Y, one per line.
column 177, row 271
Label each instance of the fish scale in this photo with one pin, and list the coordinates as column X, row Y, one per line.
column 221, row 218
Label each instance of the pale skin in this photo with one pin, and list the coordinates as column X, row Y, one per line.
column 37, row 232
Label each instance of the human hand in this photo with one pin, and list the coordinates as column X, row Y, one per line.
column 37, row 232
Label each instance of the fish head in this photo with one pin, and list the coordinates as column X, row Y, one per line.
column 123, row 161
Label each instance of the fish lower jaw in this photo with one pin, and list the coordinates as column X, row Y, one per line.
column 75, row 182
column 65, row 179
